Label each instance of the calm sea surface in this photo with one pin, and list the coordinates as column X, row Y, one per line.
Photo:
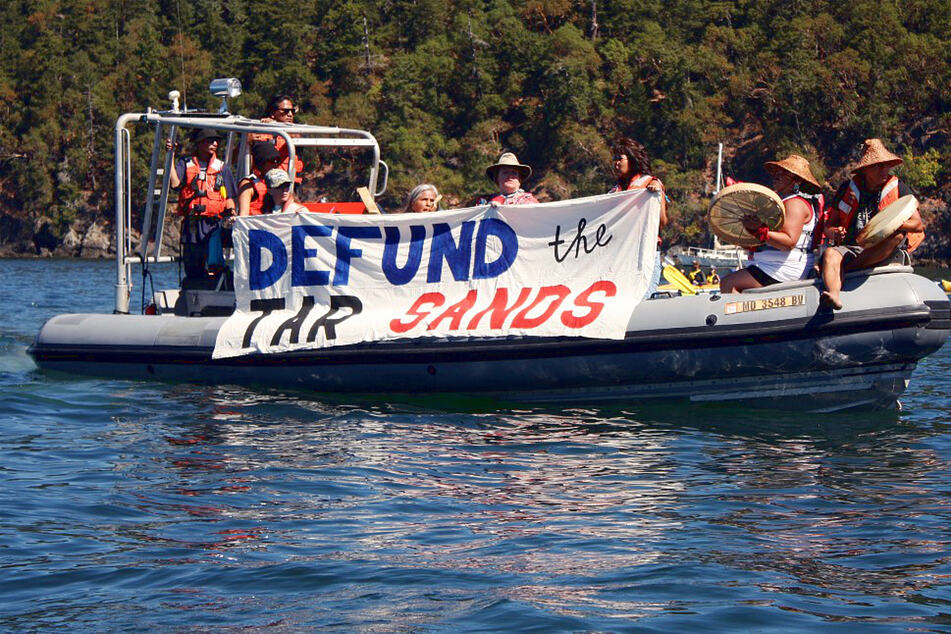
column 148, row 506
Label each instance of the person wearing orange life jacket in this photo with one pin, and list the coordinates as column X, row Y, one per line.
column 281, row 109
column 206, row 200
column 871, row 189
column 786, row 253
column 508, row 174
column 252, row 190
column 632, row 169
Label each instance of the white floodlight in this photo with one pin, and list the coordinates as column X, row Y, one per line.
column 225, row 87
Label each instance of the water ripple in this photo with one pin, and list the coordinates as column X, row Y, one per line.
column 128, row 505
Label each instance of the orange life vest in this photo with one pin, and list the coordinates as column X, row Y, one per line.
column 849, row 203
column 259, row 190
column 640, row 181
column 281, row 146
column 203, row 190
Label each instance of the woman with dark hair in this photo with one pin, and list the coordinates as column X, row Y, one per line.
column 252, row 190
column 632, row 169
column 281, row 109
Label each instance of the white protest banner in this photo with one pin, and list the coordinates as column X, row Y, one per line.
column 572, row 268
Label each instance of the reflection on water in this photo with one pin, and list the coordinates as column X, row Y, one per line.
column 150, row 506
column 561, row 510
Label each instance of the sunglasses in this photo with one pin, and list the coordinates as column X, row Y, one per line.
column 287, row 110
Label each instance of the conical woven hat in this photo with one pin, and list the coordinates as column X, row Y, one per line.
column 873, row 153
column 797, row 166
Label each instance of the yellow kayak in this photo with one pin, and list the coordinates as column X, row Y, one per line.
column 697, row 289
column 946, row 285
column 678, row 280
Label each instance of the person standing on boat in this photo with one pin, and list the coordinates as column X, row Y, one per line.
column 252, row 190
column 632, row 169
column 871, row 189
column 421, row 199
column 206, row 201
column 279, row 192
column 508, row 174
column 785, row 255
column 281, row 109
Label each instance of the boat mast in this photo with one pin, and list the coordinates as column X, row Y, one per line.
column 719, row 185
column 716, row 189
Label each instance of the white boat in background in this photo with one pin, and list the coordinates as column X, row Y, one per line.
column 723, row 258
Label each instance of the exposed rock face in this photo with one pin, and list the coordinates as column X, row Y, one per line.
column 85, row 238
column 94, row 240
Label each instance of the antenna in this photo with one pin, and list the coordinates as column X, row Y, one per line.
column 719, row 184
column 716, row 240
column 174, row 95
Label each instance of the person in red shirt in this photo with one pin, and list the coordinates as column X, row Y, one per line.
column 508, row 174
column 632, row 168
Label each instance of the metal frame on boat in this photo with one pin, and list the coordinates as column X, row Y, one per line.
column 236, row 129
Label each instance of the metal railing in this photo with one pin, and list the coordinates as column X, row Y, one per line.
column 167, row 126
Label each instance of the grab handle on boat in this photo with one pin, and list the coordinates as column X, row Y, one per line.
column 386, row 178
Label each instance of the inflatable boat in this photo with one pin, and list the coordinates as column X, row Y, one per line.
column 769, row 347
column 773, row 346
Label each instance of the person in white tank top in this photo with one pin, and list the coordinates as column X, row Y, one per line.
column 785, row 255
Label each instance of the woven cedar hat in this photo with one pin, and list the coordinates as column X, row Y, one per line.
column 797, row 166
column 508, row 160
column 874, row 153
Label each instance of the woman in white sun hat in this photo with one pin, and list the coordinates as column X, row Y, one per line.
column 508, row 175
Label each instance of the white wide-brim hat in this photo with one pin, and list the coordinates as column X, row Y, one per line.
column 508, row 160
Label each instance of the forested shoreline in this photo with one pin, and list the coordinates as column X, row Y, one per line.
column 447, row 86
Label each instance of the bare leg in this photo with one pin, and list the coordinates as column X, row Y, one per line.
column 738, row 281
column 832, row 269
column 832, row 276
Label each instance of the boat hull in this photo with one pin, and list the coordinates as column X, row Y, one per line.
column 676, row 348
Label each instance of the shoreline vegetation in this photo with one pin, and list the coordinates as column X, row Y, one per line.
column 446, row 87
